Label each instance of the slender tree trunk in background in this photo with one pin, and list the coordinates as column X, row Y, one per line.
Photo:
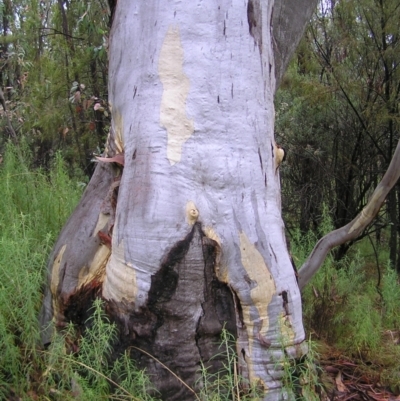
column 187, row 235
column 397, row 192
column 392, row 209
column 7, row 15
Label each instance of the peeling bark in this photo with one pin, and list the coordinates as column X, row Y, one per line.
column 77, row 263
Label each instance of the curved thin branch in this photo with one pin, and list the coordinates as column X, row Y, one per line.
column 57, row 32
column 353, row 229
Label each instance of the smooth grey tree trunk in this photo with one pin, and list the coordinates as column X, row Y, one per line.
column 184, row 235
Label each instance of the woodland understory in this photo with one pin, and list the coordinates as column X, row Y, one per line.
column 337, row 116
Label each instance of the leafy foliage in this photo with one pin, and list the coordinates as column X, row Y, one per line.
column 347, row 306
column 301, row 377
column 337, row 113
column 54, row 72
column 91, row 373
column 34, row 208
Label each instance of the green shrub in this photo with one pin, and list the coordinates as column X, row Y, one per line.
column 90, row 372
column 34, row 207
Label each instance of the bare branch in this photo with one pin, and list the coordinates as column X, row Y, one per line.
column 353, row 229
column 57, row 32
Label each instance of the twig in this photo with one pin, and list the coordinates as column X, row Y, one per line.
column 57, row 32
column 167, row 368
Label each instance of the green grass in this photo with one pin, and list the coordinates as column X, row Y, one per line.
column 342, row 306
column 348, row 307
column 226, row 384
column 35, row 205
column 301, row 377
column 89, row 372
column 33, row 209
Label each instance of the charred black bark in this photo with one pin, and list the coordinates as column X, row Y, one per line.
column 181, row 325
column 112, row 4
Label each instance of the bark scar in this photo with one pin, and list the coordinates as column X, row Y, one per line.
column 109, row 204
column 285, row 302
column 254, row 18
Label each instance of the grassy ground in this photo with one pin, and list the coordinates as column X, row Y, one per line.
column 351, row 309
column 34, row 207
column 347, row 311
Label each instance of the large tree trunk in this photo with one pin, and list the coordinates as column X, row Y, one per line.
column 197, row 238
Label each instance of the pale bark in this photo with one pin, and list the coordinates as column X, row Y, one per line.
column 353, row 229
column 198, row 127
column 197, row 234
column 289, row 21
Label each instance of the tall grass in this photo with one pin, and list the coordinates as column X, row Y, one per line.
column 90, row 373
column 34, row 206
column 341, row 305
column 301, row 377
column 226, row 384
column 346, row 306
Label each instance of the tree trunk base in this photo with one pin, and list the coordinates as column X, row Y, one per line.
column 180, row 326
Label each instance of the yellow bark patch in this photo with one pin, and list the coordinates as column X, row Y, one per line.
column 116, row 135
column 101, row 223
column 120, row 281
column 263, row 289
column 192, row 213
column 176, row 88
column 264, row 285
column 97, row 268
column 210, row 233
column 55, row 272
column 119, row 132
column 55, row 278
column 278, row 156
column 220, row 271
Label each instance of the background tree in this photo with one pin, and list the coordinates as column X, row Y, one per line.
column 339, row 118
column 54, row 73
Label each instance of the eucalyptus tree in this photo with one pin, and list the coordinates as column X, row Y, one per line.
column 180, row 227
column 181, row 233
